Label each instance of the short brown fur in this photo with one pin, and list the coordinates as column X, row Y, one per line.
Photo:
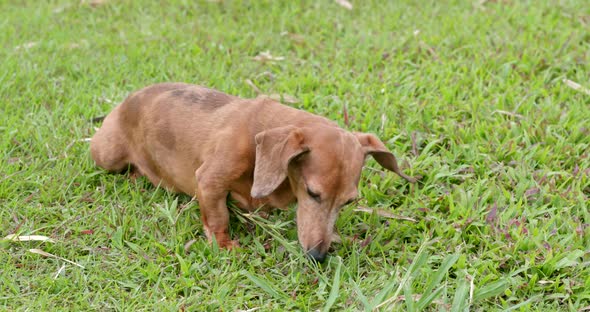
column 204, row 143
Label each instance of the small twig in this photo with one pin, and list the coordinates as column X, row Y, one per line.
column 265, row 56
column 511, row 114
column 430, row 50
column 46, row 254
column 75, row 218
column 63, row 266
column 253, row 86
column 188, row 245
column 471, row 287
column 414, row 146
column 520, row 103
column 383, row 213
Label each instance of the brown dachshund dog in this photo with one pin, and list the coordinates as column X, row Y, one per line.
column 263, row 154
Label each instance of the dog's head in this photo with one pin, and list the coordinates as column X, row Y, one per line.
column 323, row 165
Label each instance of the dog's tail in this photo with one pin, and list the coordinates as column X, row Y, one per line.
column 97, row 119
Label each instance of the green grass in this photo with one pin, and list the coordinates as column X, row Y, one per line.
column 469, row 95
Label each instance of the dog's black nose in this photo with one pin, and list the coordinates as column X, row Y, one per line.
column 317, row 255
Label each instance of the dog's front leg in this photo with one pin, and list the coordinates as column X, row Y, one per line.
column 212, row 197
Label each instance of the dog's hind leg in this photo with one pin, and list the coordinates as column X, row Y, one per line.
column 109, row 147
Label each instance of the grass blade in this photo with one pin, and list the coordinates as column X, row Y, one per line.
column 461, row 294
column 334, row 292
column 490, row 290
column 265, row 285
column 380, row 297
column 532, row 299
column 361, row 296
column 427, row 300
column 442, row 271
column 410, row 304
column 418, row 262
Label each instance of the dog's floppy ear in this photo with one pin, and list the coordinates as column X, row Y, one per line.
column 275, row 148
column 374, row 147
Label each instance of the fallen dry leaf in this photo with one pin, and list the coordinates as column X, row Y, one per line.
column 345, row 4
column 383, row 213
column 492, row 215
column 366, row 241
column 76, row 45
column 544, row 282
column 296, row 38
column 28, row 238
column 576, row 170
column 265, row 56
column 531, row 192
column 46, row 254
column 576, row 86
column 13, row 160
column 27, row 45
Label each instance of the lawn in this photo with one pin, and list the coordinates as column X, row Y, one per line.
column 487, row 100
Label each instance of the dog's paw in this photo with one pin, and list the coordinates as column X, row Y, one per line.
column 134, row 175
column 222, row 238
column 230, row 244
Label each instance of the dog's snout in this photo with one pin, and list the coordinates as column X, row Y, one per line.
column 317, row 255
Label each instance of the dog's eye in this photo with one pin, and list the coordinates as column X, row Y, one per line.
column 313, row 195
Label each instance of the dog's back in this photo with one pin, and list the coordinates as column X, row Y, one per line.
column 261, row 153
